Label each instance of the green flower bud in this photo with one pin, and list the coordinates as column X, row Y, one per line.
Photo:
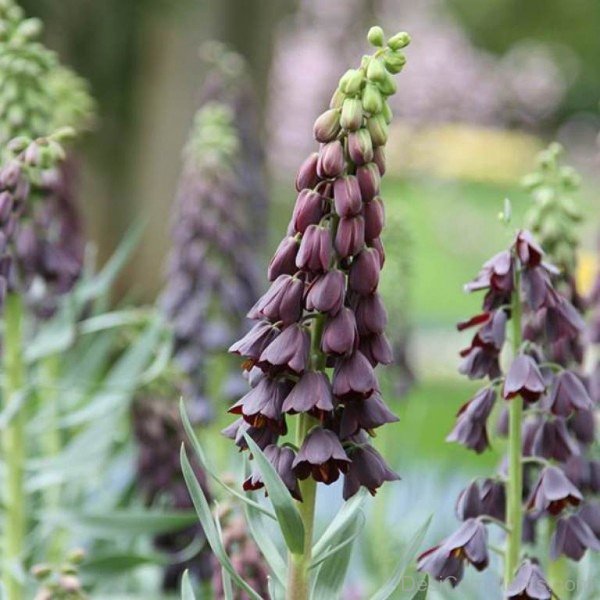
column 352, row 82
column 360, row 147
column 327, row 126
column 352, row 114
column 388, row 85
column 394, row 62
column 398, row 41
column 376, row 70
column 337, row 99
column 372, row 100
column 378, row 130
column 376, row 36
column 387, row 112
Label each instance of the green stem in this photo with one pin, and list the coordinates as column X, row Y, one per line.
column 558, row 570
column 13, row 446
column 298, row 584
column 514, row 485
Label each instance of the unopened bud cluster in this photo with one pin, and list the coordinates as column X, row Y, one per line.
column 323, row 310
column 60, row 582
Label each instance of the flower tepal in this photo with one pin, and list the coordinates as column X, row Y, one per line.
column 320, row 327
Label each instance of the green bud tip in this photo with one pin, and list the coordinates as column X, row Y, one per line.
column 376, row 36
column 398, row 41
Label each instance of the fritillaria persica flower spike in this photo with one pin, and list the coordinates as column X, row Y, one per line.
column 312, row 355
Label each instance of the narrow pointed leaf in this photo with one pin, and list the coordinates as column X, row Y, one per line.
column 423, row 586
column 342, row 544
column 187, row 592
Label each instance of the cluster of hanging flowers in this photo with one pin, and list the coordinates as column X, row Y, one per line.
column 519, row 287
column 322, row 310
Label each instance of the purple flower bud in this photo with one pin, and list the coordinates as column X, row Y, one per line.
column 307, row 173
column 529, row 583
column 369, row 181
column 524, row 379
column 471, row 425
column 529, row 252
column 584, row 473
column 6, row 205
column 255, row 341
column 360, row 147
column 315, row 249
column 377, row 349
column 563, row 321
column 263, row 436
column 572, row 537
column 347, row 196
column 340, row 336
column 284, row 259
column 367, row 414
column 308, row 210
column 552, row 441
column 354, row 378
column 493, row 499
column 331, row 160
column 289, row 351
column 379, row 159
column 377, row 245
column 352, row 114
column 568, row 394
column 350, row 236
column 480, row 361
column 327, row 126
column 367, row 469
column 374, row 215
column 282, row 302
column 312, row 393
column 583, row 426
column 553, row 492
column 446, row 561
column 281, row 458
column 378, row 130
column 364, row 272
column 371, row 315
column 326, row 292
column 468, row 503
column 321, row 456
column 261, row 406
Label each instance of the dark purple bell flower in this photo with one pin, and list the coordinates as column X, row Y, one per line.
column 374, row 216
column 568, row 394
column 525, row 379
column 281, row 457
column 360, row 147
column 364, row 272
column 529, row 583
column 367, row 469
column 255, row 341
column 553, row 492
column 480, row 361
column 563, row 321
column 446, row 561
column 471, row 425
column 354, row 378
column 284, row 259
column 552, row 441
column 468, row 503
column 590, row 513
column 326, row 292
column 263, row 436
column 350, row 236
column 367, row 414
column 584, row 473
column 583, row 426
column 315, row 249
column 282, row 302
column 312, row 393
column 331, row 160
column 496, row 274
column 262, row 405
column 537, row 288
column 321, row 456
column 377, row 349
column 371, row 315
column 493, row 498
column 307, row 211
column 288, row 351
column 369, row 181
column 572, row 537
column 307, row 173
column 346, row 196
column 527, row 249
column 340, row 336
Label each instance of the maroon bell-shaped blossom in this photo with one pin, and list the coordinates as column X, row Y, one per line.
column 350, row 236
column 284, row 259
column 307, row 173
column 529, row 583
column 289, row 351
column 568, row 394
column 307, row 211
column 367, row 414
column 374, row 215
column 340, row 336
column 480, row 361
column 471, row 425
column 346, row 195
column 537, row 288
column 527, row 249
column 524, row 378
column 321, row 456
column 553, row 492
column 315, row 249
column 572, row 537
column 282, row 302
column 369, row 181
column 583, row 426
column 255, row 341
column 590, row 513
column 354, row 377
column 485, row 498
column 326, row 292
column 446, row 561
column 331, row 160
column 468, row 503
column 584, row 473
column 563, row 321
column 263, row 436
column 496, row 274
column 377, row 349
column 371, row 315
column 312, row 393
column 281, row 458
column 364, row 272
column 552, row 441
column 367, row 469
column 262, row 405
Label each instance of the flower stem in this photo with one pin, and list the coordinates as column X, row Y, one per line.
column 298, row 584
column 514, row 485
column 13, row 447
column 558, row 570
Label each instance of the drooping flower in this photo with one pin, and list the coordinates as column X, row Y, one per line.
column 282, row 459
column 553, row 492
column 524, row 379
column 529, row 583
column 572, row 537
column 471, row 425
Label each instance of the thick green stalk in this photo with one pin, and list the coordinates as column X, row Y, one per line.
column 13, row 447
column 298, row 584
column 514, row 485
